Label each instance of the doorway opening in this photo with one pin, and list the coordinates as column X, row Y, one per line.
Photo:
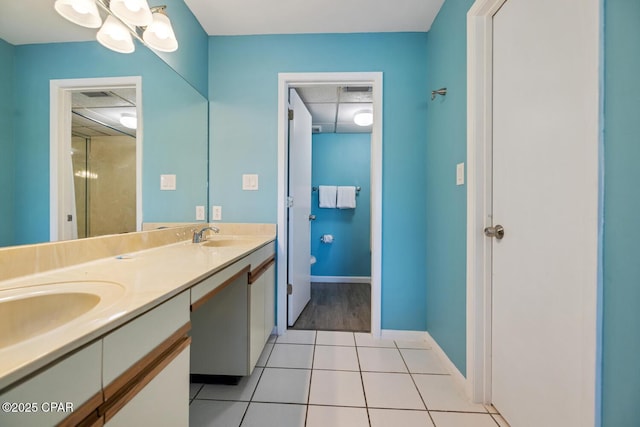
column 333, row 80
column 340, row 257
column 95, row 157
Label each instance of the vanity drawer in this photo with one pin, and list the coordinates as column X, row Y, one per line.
column 131, row 342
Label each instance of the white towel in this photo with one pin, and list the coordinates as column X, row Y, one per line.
column 346, row 197
column 327, row 196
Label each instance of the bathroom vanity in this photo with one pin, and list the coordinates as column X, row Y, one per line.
column 135, row 324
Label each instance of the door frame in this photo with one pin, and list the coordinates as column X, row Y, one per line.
column 285, row 81
column 479, row 195
column 60, row 143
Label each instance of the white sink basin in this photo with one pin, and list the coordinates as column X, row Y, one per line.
column 229, row 241
column 30, row 311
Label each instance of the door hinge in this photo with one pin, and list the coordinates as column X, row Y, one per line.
column 290, row 114
column 289, row 289
column 289, row 202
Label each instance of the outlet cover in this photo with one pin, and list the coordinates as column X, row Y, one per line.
column 217, row 213
column 460, row 174
column 199, row 213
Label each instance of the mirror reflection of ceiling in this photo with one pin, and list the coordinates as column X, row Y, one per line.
column 98, row 112
column 35, row 21
column 333, row 107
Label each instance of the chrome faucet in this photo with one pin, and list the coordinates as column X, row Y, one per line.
column 197, row 235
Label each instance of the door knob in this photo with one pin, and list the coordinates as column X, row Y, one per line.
column 312, row 217
column 497, row 232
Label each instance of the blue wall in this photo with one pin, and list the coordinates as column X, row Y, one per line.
column 175, row 130
column 7, row 113
column 446, row 213
column 621, row 336
column 243, row 91
column 190, row 60
column 342, row 159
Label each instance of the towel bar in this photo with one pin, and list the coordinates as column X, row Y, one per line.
column 316, row 189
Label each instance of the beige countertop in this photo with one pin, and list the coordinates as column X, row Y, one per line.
column 137, row 282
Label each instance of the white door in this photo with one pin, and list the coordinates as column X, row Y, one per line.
column 545, row 189
column 300, row 192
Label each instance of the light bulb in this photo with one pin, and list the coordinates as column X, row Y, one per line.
column 132, row 5
column 80, row 7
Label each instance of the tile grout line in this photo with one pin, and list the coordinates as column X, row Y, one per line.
column 364, row 393
column 256, row 387
column 414, row 384
column 313, row 359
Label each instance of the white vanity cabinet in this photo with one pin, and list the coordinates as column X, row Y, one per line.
column 233, row 315
column 66, row 392
column 146, row 368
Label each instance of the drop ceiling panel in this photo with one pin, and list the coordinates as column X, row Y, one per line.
column 322, row 113
column 318, row 94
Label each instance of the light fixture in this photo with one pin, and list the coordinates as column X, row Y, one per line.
column 159, row 34
column 125, row 19
column 115, row 36
column 363, row 118
column 134, row 12
column 81, row 12
column 129, row 120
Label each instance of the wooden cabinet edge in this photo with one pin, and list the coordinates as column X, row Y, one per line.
column 199, row 303
column 130, row 383
column 86, row 414
column 261, row 269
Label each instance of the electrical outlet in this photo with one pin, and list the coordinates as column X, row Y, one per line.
column 216, row 213
column 199, row 213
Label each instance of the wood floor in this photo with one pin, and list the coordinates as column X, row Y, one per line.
column 337, row 307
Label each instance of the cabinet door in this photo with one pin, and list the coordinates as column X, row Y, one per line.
column 164, row 401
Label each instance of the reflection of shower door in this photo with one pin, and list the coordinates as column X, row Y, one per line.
column 104, row 177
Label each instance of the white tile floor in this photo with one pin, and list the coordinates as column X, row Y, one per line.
column 336, row 379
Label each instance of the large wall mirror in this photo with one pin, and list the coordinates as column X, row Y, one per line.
column 174, row 127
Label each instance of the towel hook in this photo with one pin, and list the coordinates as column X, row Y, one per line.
column 441, row 91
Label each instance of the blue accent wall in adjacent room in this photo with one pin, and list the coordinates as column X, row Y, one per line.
column 174, row 140
column 621, row 314
column 7, row 116
column 446, row 215
column 243, row 92
column 342, row 159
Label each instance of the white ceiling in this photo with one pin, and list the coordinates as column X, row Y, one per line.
column 333, row 107
column 35, row 21
column 223, row 17
column 100, row 115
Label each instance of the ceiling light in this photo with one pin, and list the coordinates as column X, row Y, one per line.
column 115, row 36
column 81, row 12
column 159, row 34
column 134, row 12
column 125, row 20
column 363, row 118
column 129, row 120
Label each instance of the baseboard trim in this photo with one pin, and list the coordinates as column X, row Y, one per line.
column 448, row 364
column 400, row 335
column 340, row 279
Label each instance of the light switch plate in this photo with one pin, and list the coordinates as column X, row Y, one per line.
column 199, row 213
column 460, row 174
column 250, row 182
column 167, row 182
column 216, row 213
